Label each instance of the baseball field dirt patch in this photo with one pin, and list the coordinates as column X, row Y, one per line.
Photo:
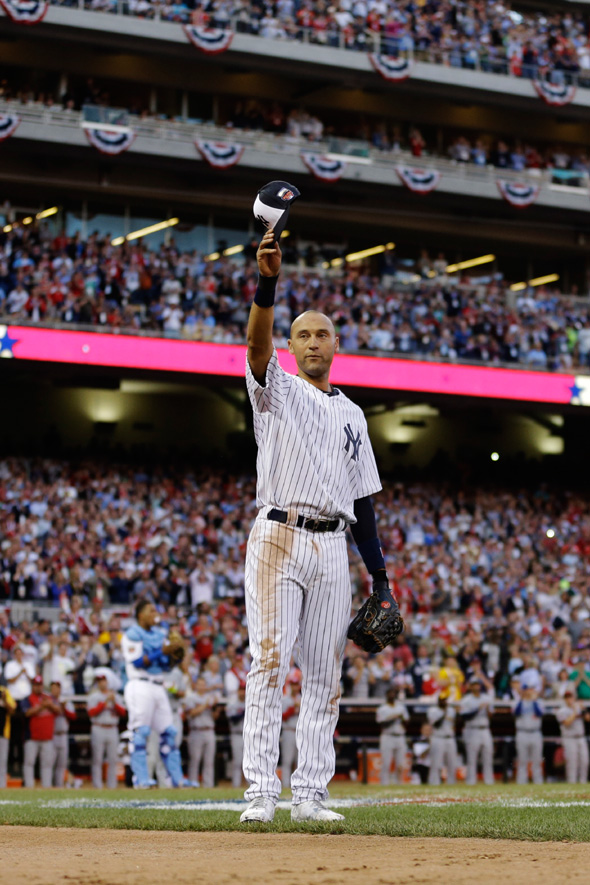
column 39, row 856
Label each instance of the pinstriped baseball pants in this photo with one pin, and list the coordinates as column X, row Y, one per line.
column 297, row 589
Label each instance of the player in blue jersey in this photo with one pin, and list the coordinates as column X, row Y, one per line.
column 147, row 647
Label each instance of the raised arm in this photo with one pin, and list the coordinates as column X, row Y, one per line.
column 260, row 322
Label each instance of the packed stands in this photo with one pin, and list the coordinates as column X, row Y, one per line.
column 46, row 279
column 488, row 36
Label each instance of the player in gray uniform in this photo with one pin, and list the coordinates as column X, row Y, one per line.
column 316, row 473
column 392, row 741
column 443, row 743
column 61, row 734
column 200, row 708
column 572, row 718
column 475, row 708
column 291, row 705
column 528, row 713
column 234, row 711
column 105, row 708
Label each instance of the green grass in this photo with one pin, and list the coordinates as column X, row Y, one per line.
column 493, row 815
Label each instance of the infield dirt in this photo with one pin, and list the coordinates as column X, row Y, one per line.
column 38, row 856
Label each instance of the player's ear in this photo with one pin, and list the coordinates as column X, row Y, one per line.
column 290, row 346
column 337, row 344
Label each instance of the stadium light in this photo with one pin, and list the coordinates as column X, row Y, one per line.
column 550, row 533
column 366, row 253
column 47, row 213
column 470, row 262
column 540, row 281
column 28, row 219
column 144, row 231
column 235, row 250
column 495, row 456
column 536, row 281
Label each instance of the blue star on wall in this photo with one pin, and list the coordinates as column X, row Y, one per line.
column 575, row 390
column 6, row 342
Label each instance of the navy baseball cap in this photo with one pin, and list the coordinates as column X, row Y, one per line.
column 272, row 204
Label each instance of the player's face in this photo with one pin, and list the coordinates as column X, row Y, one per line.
column 148, row 617
column 313, row 343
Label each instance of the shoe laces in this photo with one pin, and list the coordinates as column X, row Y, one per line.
column 259, row 802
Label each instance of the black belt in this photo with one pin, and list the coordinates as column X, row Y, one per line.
column 305, row 522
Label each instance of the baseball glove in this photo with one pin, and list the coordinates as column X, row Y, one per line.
column 378, row 621
column 176, row 648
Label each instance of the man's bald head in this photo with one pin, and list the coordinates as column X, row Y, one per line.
column 313, row 343
column 308, row 315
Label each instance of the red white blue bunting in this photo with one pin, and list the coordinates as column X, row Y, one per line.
column 391, row 68
column 209, row 40
column 8, row 125
column 109, row 142
column 25, row 12
column 220, row 154
column 555, row 94
column 517, row 193
column 420, row 181
column 322, row 167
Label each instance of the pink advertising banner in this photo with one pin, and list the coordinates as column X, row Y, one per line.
column 168, row 355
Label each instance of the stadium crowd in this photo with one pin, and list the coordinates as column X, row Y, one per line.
column 487, row 34
column 46, row 278
column 494, row 584
column 567, row 163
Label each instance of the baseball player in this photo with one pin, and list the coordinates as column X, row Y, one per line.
column 104, row 709
column 200, row 710
column 147, row 651
column 291, row 705
column 476, row 708
column 234, row 711
column 40, row 711
column 392, row 742
column 61, row 733
column 7, row 708
column 316, row 472
column 528, row 713
column 443, row 743
column 572, row 718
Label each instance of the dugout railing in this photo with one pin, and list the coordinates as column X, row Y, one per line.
column 357, row 740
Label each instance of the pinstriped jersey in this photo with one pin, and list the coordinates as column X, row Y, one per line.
column 314, row 451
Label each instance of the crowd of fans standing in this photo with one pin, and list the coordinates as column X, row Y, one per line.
column 487, row 34
column 489, row 593
column 46, row 278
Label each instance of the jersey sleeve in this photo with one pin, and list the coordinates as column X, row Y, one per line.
column 132, row 647
column 271, row 396
column 368, row 482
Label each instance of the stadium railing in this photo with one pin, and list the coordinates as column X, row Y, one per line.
column 477, row 58
column 176, row 138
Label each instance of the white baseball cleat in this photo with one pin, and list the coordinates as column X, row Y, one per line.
column 313, row 810
column 260, row 810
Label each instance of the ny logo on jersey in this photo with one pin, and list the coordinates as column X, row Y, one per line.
column 353, row 441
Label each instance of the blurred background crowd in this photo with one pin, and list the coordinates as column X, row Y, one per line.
column 48, row 279
column 489, row 34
